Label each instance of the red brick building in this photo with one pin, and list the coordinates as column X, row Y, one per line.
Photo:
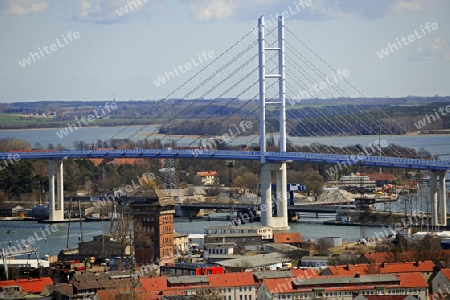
column 153, row 214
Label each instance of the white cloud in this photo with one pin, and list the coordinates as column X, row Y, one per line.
column 412, row 5
column 438, row 49
column 110, row 11
column 23, row 7
column 317, row 10
column 205, row 10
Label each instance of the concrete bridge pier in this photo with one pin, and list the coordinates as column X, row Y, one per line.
column 280, row 221
column 438, row 199
column 56, row 204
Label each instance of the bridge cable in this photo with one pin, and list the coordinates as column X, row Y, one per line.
column 157, row 103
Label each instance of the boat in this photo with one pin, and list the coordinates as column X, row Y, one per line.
column 98, row 218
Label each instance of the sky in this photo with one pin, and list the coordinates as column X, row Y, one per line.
column 104, row 49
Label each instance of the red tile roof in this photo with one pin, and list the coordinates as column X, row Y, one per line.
column 413, row 279
column 287, row 237
column 381, row 268
column 380, row 257
column 114, row 294
column 231, row 279
column 154, row 284
column 207, row 173
column 285, row 285
column 279, row 285
column 304, row 273
column 386, row 297
column 34, row 285
column 446, row 273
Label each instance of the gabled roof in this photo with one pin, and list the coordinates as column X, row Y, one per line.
column 446, row 273
column 187, row 279
column 63, row 288
column 379, row 257
column 272, row 274
column 288, row 276
column 94, row 285
column 207, row 173
column 231, row 279
column 385, row 297
column 413, row 279
column 305, row 273
column 381, row 268
column 352, row 283
column 33, row 285
column 254, row 261
column 154, row 284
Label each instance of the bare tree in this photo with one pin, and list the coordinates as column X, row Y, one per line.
column 322, row 246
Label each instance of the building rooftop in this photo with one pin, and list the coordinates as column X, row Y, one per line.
column 347, row 279
column 380, row 257
column 381, row 268
column 233, row 227
column 255, row 261
column 178, row 235
column 446, row 273
column 207, row 173
column 287, row 237
column 154, row 284
column 226, row 244
column 184, row 265
column 151, row 196
column 187, row 279
column 33, row 285
column 351, row 283
column 272, row 274
column 231, row 279
column 237, row 234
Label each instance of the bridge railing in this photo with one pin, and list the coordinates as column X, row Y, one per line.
column 234, row 154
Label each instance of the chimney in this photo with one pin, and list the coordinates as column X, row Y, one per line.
column 357, row 275
column 417, row 263
column 347, row 267
column 382, row 265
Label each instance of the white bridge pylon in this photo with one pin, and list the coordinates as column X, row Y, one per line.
column 280, row 221
column 55, row 204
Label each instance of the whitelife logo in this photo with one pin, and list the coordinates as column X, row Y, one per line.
column 129, row 7
column 169, row 75
column 428, row 119
column 391, row 48
column 109, row 106
column 34, row 56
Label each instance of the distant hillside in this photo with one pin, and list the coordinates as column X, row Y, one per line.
column 216, row 117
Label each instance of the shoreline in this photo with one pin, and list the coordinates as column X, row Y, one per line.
column 414, row 133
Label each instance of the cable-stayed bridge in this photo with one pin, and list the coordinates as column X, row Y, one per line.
column 273, row 75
